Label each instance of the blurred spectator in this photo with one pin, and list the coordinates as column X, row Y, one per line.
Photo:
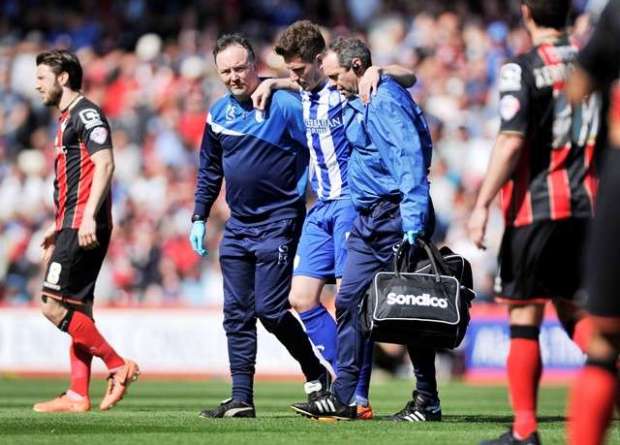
column 149, row 65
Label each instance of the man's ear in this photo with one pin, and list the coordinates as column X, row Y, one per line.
column 356, row 64
column 319, row 59
column 63, row 78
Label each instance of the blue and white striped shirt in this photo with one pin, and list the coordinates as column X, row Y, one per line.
column 327, row 141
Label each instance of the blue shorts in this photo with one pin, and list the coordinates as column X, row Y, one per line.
column 322, row 248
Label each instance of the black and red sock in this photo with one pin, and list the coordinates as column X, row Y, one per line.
column 524, row 370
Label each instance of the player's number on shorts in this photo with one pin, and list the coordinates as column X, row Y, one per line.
column 53, row 274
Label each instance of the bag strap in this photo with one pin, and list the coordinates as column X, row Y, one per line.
column 402, row 259
column 434, row 259
column 441, row 264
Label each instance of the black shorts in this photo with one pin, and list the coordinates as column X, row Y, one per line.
column 72, row 271
column 542, row 260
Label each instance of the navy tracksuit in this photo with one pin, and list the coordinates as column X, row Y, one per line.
column 389, row 186
column 263, row 159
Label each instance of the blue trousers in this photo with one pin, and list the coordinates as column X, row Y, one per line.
column 371, row 248
column 257, row 266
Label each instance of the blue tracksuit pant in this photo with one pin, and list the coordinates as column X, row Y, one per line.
column 371, row 247
column 257, row 266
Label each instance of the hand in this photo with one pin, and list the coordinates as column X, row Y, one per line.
column 477, row 226
column 261, row 95
column 48, row 243
column 49, row 236
column 410, row 237
column 369, row 82
column 47, row 254
column 196, row 237
column 87, row 233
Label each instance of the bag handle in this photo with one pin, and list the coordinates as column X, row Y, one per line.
column 433, row 256
column 441, row 264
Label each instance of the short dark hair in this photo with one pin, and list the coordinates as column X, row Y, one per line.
column 234, row 39
column 350, row 48
column 61, row 60
column 303, row 38
column 549, row 13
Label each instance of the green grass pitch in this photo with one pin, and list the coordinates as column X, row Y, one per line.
column 166, row 412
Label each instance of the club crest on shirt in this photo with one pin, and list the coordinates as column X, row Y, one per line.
column 99, row 135
column 231, row 113
column 334, row 99
column 509, row 106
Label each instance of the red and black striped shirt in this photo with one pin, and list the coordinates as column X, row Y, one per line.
column 82, row 131
column 556, row 176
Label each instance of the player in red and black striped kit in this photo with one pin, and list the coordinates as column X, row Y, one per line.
column 76, row 244
column 544, row 162
column 596, row 388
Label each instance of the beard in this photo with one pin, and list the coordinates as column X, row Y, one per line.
column 53, row 96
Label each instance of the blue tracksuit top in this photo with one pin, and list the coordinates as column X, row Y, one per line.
column 392, row 152
column 262, row 156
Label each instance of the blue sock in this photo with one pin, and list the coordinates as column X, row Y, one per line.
column 363, row 382
column 423, row 360
column 321, row 329
column 243, row 387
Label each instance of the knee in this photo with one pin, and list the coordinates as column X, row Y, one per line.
column 305, row 293
column 302, row 302
column 604, row 348
column 53, row 310
column 345, row 303
column 270, row 321
column 526, row 315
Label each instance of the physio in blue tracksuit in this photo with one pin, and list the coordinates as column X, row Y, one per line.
column 388, row 178
column 263, row 158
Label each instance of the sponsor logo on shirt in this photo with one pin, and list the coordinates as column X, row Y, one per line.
column 320, row 126
column 90, row 118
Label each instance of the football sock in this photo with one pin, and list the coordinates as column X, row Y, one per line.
column 80, row 369
column 290, row 331
column 243, row 387
column 582, row 333
column 363, row 383
column 423, row 361
column 321, row 329
column 86, row 335
column 591, row 403
column 524, row 370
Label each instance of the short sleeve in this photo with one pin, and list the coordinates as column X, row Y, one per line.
column 514, row 97
column 94, row 130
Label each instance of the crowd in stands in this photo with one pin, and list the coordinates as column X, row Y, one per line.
column 148, row 64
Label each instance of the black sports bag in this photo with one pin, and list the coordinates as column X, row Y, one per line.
column 420, row 302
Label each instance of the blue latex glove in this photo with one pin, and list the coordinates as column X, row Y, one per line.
column 197, row 236
column 410, row 237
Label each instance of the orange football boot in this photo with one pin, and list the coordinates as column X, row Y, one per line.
column 365, row 412
column 63, row 404
column 118, row 382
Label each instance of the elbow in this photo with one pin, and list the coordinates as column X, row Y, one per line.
column 108, row 168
